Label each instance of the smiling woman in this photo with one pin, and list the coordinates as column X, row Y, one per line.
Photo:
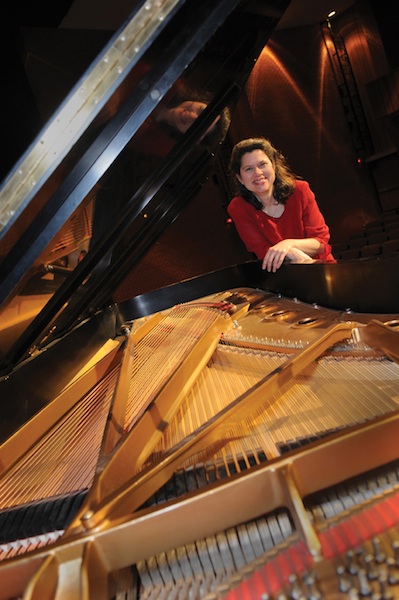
column 276, row 214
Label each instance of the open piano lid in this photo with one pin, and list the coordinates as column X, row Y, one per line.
column 161, row 51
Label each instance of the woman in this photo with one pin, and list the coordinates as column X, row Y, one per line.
column 276, row 214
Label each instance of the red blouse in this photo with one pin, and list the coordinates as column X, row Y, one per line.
column 301, row 219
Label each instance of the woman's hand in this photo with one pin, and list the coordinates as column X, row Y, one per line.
column 285, row 249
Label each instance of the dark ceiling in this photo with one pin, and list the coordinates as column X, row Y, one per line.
column 108, row 14
column 17, row 104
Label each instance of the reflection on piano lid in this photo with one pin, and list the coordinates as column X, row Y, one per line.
column 165, row 49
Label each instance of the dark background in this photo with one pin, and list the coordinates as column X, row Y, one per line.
column 292, row 96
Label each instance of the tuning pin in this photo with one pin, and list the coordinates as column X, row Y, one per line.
column 353, row 566
column 372, row 573
column 365, row 588
column 393, row 578
column 296, row 592
column 313, row 593
column 379, row 556
column 395, row 548
column 385, row 592
column 344, row 584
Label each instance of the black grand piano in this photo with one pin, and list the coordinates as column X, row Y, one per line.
column 231, row 435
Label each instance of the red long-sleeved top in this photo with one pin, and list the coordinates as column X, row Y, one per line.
column 301, row 219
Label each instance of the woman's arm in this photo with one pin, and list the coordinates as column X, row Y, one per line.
column 297, row 251
column 247, row 226
column 314, row 241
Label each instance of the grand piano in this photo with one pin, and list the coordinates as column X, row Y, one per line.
column 233, row 435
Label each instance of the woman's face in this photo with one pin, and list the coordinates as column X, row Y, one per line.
column 257, row 172
column 183, row 116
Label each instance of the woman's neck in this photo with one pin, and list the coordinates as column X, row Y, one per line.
column 266, row 199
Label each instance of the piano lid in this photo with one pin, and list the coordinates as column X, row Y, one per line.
column 142, row 125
